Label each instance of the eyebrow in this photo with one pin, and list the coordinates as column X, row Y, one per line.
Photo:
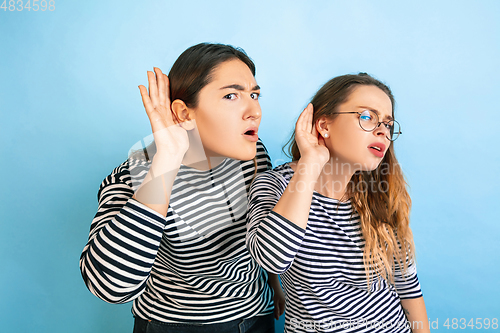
column 239, row 87
column 376, row 111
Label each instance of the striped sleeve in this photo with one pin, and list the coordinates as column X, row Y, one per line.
column 272, row 240
column 407, row 285
column 124, row 239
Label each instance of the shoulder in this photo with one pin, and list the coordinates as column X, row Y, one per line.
column 283, row 171
column 261, row 148
column 259, row 164
column 262, row 157
column 277, row 178
column 127, row 174
column 131, row 167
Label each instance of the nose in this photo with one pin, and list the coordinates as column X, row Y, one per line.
column 382, row 130
column 253, row 110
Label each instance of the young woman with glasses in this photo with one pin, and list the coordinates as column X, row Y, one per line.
column 170, row 229
column 334, row 222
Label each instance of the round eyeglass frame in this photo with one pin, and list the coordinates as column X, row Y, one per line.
column 395, row 135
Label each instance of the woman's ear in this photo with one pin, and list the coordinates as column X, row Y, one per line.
column 322, row 125
column 180, row 109
column 183, row 114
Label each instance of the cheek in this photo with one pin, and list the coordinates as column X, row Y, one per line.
column 217, row 131
column 348, row 143
column 346, row 137
column 209, row 123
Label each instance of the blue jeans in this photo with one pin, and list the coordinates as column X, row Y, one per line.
column 257, row 324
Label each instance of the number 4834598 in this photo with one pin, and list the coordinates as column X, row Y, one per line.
column 34, row 5
column 480, row 323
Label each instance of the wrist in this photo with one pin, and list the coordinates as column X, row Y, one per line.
column 308, row 167
column 164, row 158
column 164, row 164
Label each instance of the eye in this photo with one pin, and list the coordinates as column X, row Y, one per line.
column 366, row 116
column 230, row 96
column 255, row 96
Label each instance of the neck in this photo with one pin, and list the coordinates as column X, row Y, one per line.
column 202, row 162
column 214, row 161
column 197, row 157
column 333, row 179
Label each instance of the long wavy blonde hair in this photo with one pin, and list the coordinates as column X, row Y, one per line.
column 384, row 212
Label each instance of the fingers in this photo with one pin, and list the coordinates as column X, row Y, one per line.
column 169, row 115
column 167, row 90
column 309, row 118
column 153, row 115
column 314, row 130
column 163, row 96
column 148, row 105
column 157, row 102
column 153, row 89
column 160, row 78
column 301, row 122
column 304, row 123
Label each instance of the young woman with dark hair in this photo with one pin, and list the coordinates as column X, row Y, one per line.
column 335, row 221
column 170, row 229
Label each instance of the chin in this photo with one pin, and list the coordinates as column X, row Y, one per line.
column 244, row 156
column 372, row 166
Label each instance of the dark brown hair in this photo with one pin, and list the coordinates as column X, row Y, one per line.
column 192, row 71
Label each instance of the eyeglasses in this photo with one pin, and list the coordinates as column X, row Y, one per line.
column 368, row 121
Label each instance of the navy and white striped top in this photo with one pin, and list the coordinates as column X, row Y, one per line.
column 190, row 266
column 322, row 266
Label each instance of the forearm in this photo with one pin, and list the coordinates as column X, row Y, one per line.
column 279, row 295
column 117, row 260
column 416, row 314
column 124, row 238
column 156, row 188
column 274, row 281
column 271, row 239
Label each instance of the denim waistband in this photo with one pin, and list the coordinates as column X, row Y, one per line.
column 256, row 324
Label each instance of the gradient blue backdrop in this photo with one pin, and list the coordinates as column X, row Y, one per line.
column 70, row 110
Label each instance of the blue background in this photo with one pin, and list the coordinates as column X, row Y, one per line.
column 70, row 110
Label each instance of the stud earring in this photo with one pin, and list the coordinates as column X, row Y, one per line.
column 326, row 135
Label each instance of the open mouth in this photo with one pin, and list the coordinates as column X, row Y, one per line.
column 377, row 149
column 251, row 134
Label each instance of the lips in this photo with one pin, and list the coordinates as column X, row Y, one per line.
column 377, row 148
column 251, row 134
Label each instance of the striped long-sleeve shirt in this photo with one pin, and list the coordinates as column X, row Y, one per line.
column 322, row 266
column 190, row 266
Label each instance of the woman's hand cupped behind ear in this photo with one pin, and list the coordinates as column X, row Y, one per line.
column 311, row 145
column 170, row 137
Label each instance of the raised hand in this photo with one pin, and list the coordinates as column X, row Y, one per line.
column 171, row 141
column 170, row 137
column 311, row 145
